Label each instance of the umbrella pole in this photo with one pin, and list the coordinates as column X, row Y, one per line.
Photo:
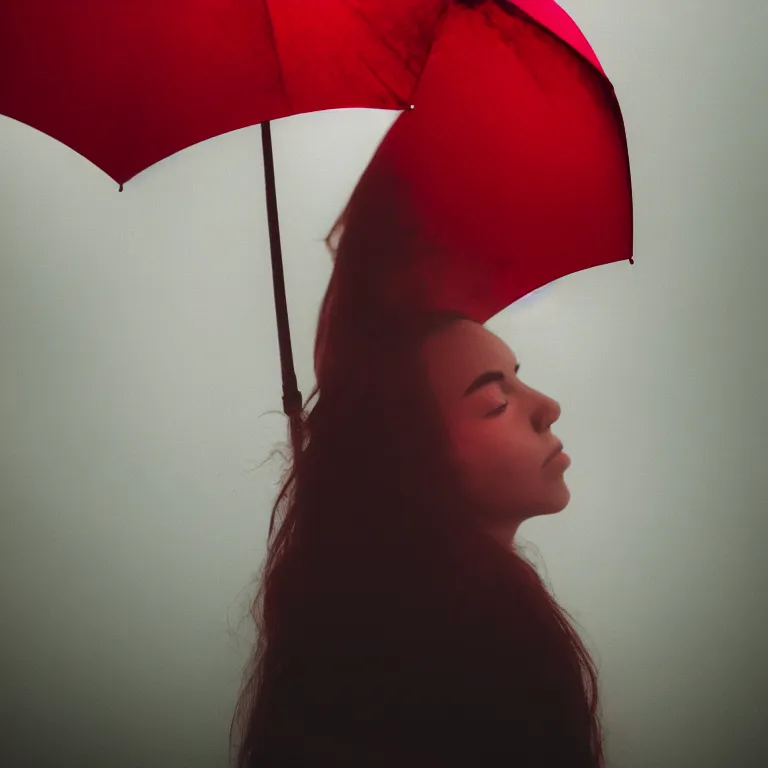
column 292, row 399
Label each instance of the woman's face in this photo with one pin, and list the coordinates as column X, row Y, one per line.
column 499, row 432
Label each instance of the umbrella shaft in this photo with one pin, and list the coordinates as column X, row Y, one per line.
column 291, row 394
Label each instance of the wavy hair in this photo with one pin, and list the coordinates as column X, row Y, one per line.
column 391, row 630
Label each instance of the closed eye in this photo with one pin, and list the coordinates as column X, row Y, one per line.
column 498, row 411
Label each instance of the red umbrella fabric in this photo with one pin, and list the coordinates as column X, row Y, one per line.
column 127, row 83
column 514, row 176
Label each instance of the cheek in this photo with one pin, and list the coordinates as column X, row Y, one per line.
column 493, row 457
column 501, row 467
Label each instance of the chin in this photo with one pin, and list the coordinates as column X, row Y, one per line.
column 560, row 498
column 555, row 500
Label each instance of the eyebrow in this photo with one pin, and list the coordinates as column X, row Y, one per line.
column 486, row 378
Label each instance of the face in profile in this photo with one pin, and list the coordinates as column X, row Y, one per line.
column 499, row 428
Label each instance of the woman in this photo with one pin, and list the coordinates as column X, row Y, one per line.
column 398, row 624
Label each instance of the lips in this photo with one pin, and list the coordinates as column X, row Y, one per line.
column 558, row 448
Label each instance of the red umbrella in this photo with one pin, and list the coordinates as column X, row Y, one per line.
column 513, row 113
column 512, row 169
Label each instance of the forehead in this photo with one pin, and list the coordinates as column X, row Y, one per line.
column 456, row 355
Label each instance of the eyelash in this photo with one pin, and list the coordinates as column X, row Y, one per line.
column 498, row 411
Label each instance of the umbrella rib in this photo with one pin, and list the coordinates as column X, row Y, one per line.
column 277, row 56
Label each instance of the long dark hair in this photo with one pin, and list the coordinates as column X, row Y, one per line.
column 391, row 631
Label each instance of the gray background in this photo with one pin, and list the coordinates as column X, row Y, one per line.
column 138, row 355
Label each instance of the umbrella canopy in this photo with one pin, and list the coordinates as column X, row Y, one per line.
column 515, row 176
column 130, row 82
column 127, row 83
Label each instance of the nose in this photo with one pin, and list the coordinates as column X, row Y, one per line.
column 548, row 411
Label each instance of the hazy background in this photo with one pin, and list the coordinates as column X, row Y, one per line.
column 139, row 356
